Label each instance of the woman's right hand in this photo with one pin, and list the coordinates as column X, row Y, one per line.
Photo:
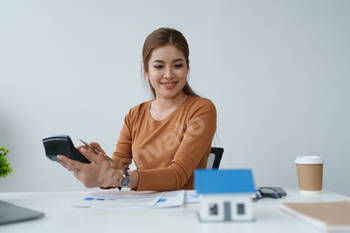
column 98, row 173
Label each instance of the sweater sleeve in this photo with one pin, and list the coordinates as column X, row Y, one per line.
column 194, row 147
column 122, row 154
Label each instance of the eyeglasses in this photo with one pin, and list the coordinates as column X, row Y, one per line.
column 266, row 192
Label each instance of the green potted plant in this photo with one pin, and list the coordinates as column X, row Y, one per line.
column 5, row 168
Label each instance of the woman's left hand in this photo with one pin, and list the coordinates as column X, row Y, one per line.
column 98, row 173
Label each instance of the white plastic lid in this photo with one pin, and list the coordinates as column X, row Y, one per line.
column 310, row 159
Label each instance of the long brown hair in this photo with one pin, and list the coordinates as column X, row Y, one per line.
column 162, row 37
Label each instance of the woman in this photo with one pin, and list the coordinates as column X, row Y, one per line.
column 168, row 137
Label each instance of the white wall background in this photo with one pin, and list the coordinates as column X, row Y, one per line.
column 278, row 72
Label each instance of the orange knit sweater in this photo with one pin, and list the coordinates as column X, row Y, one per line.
column 167, row 152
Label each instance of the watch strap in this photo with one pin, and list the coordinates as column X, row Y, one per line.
column 126, row 173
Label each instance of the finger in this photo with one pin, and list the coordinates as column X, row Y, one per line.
column 76, row 172
column 90, row 155
column 97, row 146
column 68, row 163
column 82, row 146
column 103, row 156
column 71, row 165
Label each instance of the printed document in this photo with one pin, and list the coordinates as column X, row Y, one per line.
column 115, row 199
column 119, row 199
column 191, row 196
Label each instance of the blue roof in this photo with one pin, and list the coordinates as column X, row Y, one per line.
column 224, row 181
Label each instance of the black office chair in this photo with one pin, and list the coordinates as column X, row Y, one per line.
column 215, row 158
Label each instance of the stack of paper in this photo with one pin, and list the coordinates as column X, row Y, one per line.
column 325, row 216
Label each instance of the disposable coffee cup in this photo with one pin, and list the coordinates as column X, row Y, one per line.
column 310, row 174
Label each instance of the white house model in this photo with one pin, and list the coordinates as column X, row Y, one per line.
column 225, row 195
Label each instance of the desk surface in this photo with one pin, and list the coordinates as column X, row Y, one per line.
column 61, row 217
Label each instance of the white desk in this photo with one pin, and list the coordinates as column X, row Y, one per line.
column 61, row 217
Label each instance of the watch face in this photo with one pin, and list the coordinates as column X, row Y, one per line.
column 125, row 181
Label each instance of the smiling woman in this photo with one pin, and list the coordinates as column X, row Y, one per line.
column 167, row 74
column 162, row 37
column 167, row 138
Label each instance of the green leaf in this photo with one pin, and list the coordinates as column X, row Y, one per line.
column 5, row 168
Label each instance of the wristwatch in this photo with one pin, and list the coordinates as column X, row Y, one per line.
column 125, row 180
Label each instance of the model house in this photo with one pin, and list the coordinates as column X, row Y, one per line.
column 225, row 195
